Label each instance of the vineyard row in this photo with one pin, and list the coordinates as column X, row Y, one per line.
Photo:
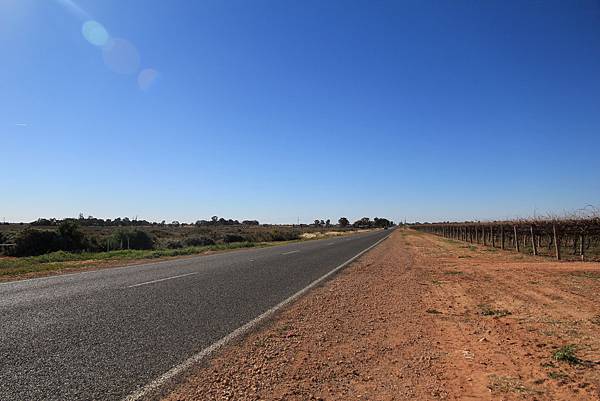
column 577, row 239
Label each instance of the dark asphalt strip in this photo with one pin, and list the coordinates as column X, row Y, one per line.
column 103, row 335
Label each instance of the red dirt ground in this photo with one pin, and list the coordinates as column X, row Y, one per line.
column 422, row 318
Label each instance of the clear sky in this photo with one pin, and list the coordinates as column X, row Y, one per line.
column 280, row 109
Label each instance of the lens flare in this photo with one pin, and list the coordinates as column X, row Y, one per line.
column 146, row 78
column 121, row 56
column 95, row 33
column 73, row 8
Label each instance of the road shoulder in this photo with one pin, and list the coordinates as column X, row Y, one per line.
column 422, row 318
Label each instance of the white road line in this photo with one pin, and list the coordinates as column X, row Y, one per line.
column 161, row 279
column 290, row 252
column 240, row 331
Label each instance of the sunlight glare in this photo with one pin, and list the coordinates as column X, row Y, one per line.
column 146, row 78
column 94, row 33
column 121, row 56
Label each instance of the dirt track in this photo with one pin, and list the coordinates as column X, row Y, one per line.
column 423, row 318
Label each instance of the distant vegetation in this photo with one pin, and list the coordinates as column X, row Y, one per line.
column 92, row 235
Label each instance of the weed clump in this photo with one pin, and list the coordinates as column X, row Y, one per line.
column 566, row 354
column 488, row 311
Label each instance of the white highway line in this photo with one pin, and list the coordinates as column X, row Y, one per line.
column 161, row 279
column 240, row 331
column 290, row 252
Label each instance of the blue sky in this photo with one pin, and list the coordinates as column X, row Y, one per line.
column 274, row 110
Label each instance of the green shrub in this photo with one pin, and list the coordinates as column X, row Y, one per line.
column 176, row 244
column 277, row 235
column 229, row 238
column 198, row 241
column 136, row 239
column 32, row 242
column 71, row 237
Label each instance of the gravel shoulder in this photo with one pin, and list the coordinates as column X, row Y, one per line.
column 423, row 318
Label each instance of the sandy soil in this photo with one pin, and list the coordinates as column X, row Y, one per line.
column 423, row 318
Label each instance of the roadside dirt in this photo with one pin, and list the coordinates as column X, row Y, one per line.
column 423, row 318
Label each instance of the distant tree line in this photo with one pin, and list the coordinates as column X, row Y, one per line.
column 363, row 223
column 377, row 222
column 91, row 221
column 216, row 221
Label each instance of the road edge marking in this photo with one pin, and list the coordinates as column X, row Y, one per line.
column 240, row 331
column 290, row 252
column 161, row 279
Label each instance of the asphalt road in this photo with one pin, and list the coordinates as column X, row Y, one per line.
column 101, row 335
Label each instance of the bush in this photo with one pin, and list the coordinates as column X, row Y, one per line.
column 71, row 237
column 31, row 242
column 174, row 244
column 136, row 239
column 229, row 238
column 198, row 241
column 273, row 235
column 277, row 235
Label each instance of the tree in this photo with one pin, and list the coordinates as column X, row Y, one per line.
column 71, row 237
column 365, row 222
column 381, row 223
column 214, row 219
column 343, row 222
column 317, row 223
column 328, row 223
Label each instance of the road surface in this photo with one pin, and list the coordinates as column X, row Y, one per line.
column 102, row 335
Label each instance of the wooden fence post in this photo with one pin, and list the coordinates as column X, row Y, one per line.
column 581, row 246
column 556, row 244
column 516, row 239
column 533, row 241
